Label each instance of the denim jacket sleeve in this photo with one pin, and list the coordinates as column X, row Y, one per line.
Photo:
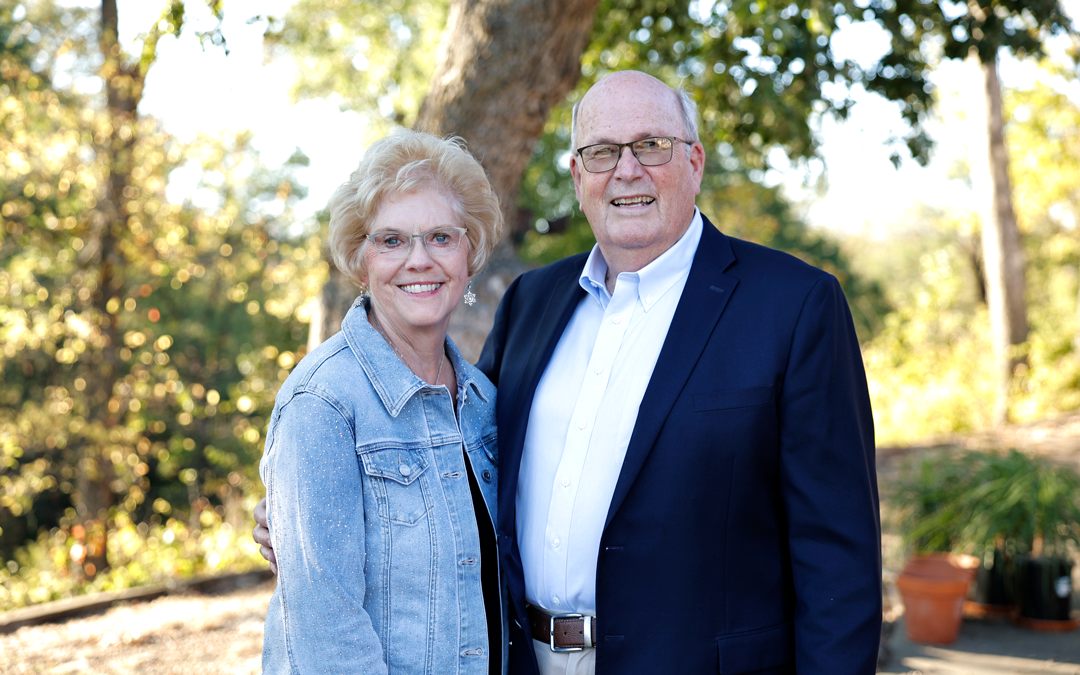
column 316, row 512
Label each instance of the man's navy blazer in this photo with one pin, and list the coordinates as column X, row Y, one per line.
column 743, row 535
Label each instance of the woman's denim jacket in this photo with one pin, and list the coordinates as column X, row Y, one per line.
column 371, row 514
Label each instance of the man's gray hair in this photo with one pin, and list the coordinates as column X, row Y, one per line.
column 687, row 106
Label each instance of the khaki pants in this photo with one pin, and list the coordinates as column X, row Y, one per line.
column 564, row 663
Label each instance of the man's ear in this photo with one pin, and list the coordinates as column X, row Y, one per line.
column 575, row 171
column 697, row 164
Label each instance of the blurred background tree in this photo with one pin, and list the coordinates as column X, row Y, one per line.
column 930, row 368
column 922, row 33
column 143, row 339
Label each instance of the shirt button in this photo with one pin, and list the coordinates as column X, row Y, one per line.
column 487, row 476
column 582, row 425
column 617, row 319
column 566, row 482
column 405, row 469
column 556, row 600
column 555, row 542
column 599, row 369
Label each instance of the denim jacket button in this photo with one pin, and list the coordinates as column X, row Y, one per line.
column 487, row 476
column 405, row 469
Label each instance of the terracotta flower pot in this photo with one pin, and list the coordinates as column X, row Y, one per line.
column 933, row 588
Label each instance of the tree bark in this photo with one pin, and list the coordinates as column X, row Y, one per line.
column 1003, row 254
column 103, row 253
column 334, row 302
column 503, row 64
column 94, row 495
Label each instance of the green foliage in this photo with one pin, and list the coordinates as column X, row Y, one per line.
column 1046, row 133
column 48, row 568
column 759, row 70
column 927, row 500
column 201, row 301
column 975, row 502
column 924, row 32
column 929, row 368
column 375, row 57
column 141, row 342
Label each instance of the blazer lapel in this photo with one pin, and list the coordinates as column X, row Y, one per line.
column 565, row 294
column 703, row 300
column 552, row 315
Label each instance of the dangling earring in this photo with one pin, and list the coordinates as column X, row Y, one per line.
column 469, row 297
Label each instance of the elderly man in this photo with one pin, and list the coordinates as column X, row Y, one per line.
column 686, row 448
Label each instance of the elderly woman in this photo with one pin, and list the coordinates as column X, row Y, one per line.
column 380, row 455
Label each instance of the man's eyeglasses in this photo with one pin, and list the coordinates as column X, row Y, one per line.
column 441, row 241
column 604, row 157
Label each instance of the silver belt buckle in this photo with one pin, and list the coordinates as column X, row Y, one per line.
column 586, row 627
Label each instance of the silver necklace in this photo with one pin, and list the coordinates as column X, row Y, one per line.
column 379, row 328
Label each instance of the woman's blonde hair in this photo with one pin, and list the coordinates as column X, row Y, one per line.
column 400, row 163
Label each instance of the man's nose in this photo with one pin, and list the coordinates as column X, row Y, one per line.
column 628, row 166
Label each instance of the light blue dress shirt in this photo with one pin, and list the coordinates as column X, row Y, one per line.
column 582, row 417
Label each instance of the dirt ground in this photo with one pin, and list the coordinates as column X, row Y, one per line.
column 205, row 634
column 1057, row 438
column 222, row 634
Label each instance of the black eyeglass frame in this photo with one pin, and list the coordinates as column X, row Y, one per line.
column 620, row 146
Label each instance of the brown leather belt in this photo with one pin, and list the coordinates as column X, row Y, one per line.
column 564, row 632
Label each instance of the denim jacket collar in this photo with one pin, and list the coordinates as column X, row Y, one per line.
column 394, row 382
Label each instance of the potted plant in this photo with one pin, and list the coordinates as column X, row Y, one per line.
column 990, row 519
column 935, row 581
column 1019, row 514
column 1037, row 505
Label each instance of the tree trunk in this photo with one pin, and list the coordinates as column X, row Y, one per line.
column 503, row 64
column 335, row 300
column 123, row 89
column 1002, row 254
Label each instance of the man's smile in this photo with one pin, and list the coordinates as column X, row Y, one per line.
column 632, row 201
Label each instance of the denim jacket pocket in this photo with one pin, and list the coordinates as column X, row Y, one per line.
column 395, row 475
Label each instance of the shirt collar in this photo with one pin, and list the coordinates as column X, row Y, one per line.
column 392, row 380
column 654, row 279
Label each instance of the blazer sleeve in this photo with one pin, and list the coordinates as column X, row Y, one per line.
column 829, row 487
column 315, row 505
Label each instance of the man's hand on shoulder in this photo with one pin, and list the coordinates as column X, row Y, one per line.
column 261, row 535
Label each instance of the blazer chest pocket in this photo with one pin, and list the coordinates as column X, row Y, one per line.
column 395, row 475
column 770, row 650
column 735, row 398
